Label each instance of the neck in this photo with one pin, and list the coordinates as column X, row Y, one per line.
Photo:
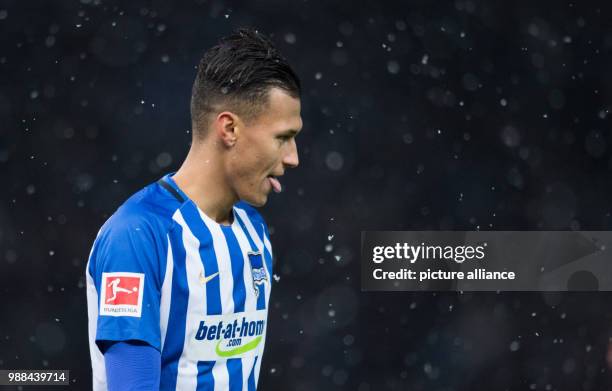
column 202, row 178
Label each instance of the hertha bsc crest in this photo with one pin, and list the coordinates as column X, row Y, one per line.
column 257, row 269
column 259, row 276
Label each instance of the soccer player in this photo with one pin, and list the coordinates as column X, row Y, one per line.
column 179, row 277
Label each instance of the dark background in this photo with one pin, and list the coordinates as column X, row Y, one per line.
column 420, row 115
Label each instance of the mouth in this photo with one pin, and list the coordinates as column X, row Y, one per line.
column 276, row 186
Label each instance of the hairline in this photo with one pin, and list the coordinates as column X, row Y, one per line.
column 238, row 105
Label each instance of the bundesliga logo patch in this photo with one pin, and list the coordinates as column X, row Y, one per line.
column 121, row 294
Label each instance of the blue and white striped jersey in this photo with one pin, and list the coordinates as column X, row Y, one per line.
column 162, row 272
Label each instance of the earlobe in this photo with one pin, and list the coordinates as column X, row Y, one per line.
column 229, row 142
column 230, row 137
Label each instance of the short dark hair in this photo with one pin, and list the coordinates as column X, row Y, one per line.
column 239, row 72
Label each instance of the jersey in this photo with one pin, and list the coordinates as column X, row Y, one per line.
column 163, row 272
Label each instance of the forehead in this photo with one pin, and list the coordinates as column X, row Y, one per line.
column 282, row 111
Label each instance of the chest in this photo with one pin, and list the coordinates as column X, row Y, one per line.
column 222, row 273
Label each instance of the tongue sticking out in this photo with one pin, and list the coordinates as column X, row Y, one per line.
column 275, row 184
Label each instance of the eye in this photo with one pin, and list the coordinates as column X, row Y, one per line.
column 284, row 138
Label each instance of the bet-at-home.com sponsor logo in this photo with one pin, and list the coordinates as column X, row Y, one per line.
column 229, row 336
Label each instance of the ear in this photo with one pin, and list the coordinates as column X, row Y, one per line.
column 226, row 128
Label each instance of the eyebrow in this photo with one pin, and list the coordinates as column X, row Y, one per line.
column 290, row 132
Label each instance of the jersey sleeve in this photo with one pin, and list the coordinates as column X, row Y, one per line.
column 132, row 366
column 128, row 266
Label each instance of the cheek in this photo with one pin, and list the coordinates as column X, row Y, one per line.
column 263, row 157
column 247, row 172
column 250, row 165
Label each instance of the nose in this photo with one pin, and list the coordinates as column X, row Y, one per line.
column 291, row 159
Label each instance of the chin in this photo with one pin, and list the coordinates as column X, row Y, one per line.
column 256, row 201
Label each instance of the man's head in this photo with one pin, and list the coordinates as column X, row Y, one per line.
column 245, row 101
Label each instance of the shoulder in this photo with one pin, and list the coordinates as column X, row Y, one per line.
column 148, row 211
column 136, row 233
